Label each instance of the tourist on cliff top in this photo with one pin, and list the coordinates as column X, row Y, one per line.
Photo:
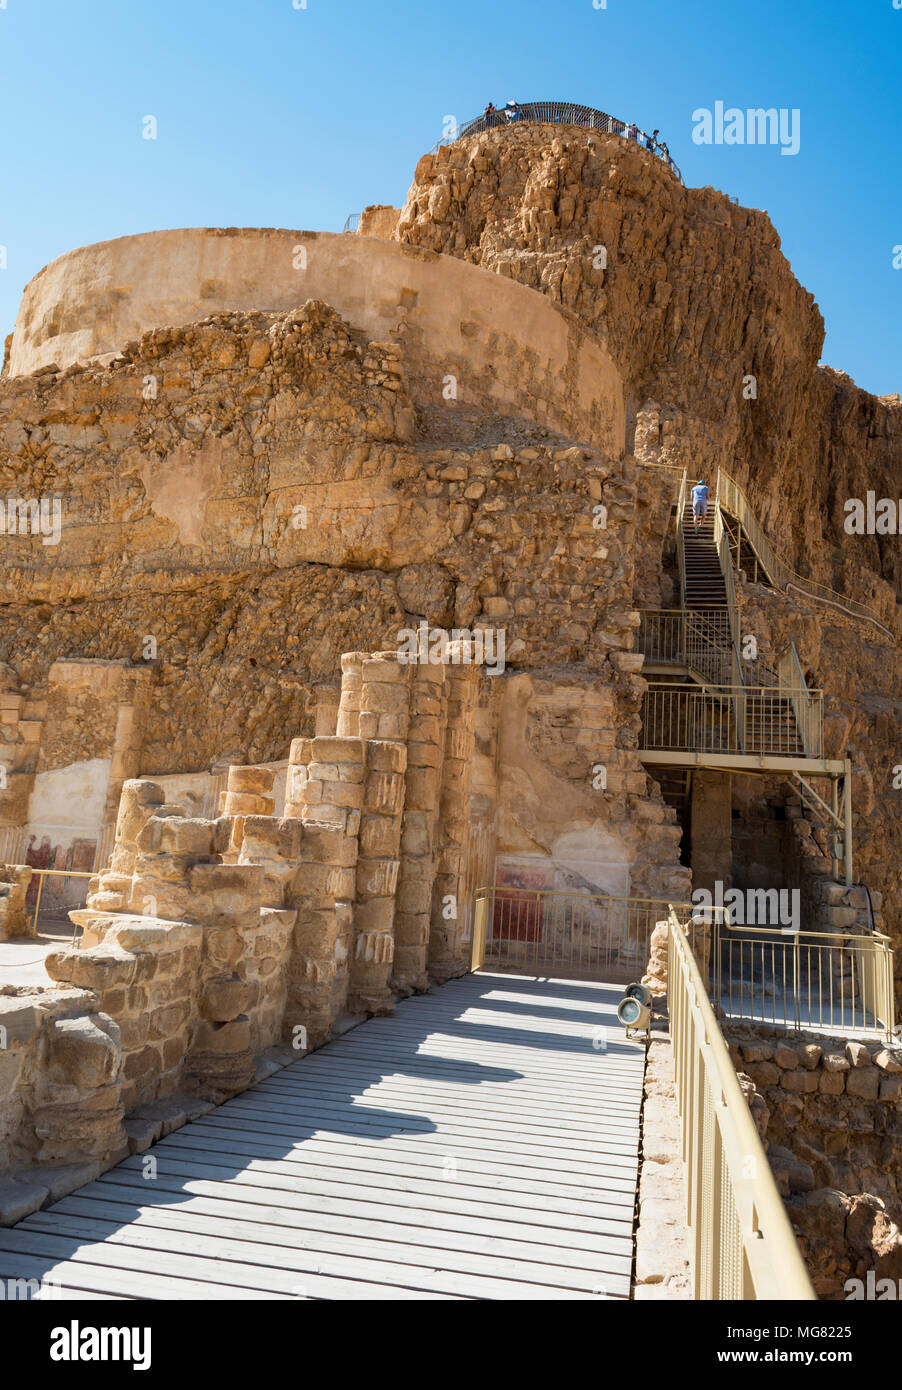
column 632, row 131
column 489, row 114
column 512, row 111
column 699, row 504
column 653, row 140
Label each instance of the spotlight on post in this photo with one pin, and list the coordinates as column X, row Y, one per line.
column 634, row 1012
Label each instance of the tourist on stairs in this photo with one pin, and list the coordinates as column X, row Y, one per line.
column 699, row 503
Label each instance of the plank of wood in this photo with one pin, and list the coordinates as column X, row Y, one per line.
column 249, row 1189
column 501, row 1206
column 487, row 1275
column 124, row 1204
column 113, row 1255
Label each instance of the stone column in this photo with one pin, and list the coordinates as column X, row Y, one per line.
column 348, row 722
column 326, row 702
column 377, row 878
column 325, row 789
column 384, row 697
column 425, row 746
column 445, row 947
column 179, row 877
column 111, row 890
column 247, row 794
column 275, row 847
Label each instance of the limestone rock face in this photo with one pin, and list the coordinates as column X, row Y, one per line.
column 693, row 296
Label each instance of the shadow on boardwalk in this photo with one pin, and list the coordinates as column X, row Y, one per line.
column 311, row 1185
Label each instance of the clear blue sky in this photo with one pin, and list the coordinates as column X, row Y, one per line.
column 275, row 116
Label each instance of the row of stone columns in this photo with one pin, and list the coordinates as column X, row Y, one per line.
column 354, row 891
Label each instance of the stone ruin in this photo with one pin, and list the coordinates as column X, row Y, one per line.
column 263, row 484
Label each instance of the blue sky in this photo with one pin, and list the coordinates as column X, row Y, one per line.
column 274, row 116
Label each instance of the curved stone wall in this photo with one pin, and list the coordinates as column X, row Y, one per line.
column 505, row 345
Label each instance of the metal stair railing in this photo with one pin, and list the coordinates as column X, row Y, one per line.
column 809, row 712
column 702, row 717
column 686, row 637
column 681, row 556
column 731, row 497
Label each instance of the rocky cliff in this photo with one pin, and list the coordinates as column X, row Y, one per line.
column 693, row 297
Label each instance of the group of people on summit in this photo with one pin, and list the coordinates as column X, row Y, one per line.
column 506, row 115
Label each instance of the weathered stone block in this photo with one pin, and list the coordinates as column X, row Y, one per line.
column 863, row 1082
column 890, row 1087
column 832, row 1083
column 858, row 1054
column 82, row 1052
column 764, row 1073
column 331, row 750
column 19, row 1022
column 234, row 1036
column 376, row 878
column 374, row 916
column 835, row 1061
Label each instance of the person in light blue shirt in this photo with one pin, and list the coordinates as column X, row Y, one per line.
column 699, row 504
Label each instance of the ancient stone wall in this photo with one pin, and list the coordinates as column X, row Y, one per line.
column 60, row 1093
column 830, row 1114
column 503, row 346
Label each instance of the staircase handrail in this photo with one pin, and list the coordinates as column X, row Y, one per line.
column 731, row 497
column 809, row 712
column 681, row 507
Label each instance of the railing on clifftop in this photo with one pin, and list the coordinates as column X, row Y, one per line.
column 557, row 113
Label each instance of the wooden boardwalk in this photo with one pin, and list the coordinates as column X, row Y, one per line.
column 481, row 1142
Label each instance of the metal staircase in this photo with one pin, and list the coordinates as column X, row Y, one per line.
column 705, row 704
column 704, row 584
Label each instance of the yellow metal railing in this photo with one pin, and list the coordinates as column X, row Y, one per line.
column 742, row 1244
column 700, row 718
column 680, row 510
column 481, row 903
column 872, row 958
column 731, row 497
column 586, row 934
column 809, row 709
column 695, row 637
column 804, row 980
column 42, row 875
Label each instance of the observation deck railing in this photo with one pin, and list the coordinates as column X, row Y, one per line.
column 557, row 113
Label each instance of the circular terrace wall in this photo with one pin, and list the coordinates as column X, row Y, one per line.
column 503, row 344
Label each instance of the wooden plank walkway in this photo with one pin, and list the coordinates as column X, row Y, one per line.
column 480, row 1142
